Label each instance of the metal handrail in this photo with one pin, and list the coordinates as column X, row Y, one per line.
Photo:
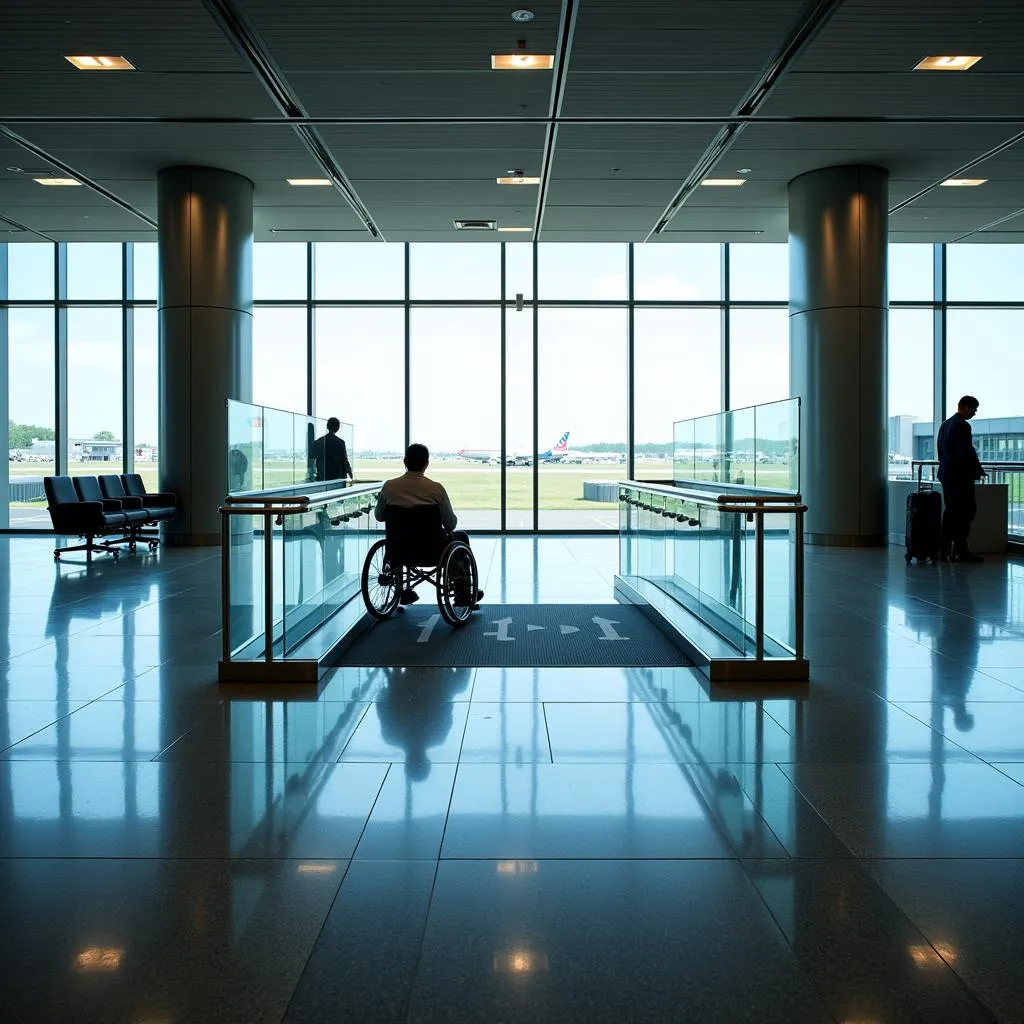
column 999, row 467
column 271, row 498
column 700, row 497
column 756, row 507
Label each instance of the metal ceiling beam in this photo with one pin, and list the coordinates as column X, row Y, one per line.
column 811, row 21
column 989, row 226
column 71, row 172
column 24, row 227
column 247, row 41
column 566, row 31
column 695, row 119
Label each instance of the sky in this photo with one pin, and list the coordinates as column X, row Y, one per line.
column 455, row 351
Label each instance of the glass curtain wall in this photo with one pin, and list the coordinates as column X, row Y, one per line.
column 535, row 373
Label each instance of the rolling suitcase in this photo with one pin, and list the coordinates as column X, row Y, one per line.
column 924, row 524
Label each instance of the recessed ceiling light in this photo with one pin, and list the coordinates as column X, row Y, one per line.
column 522, row 61
column 56, row 181
column 475, row 225
column 522, row 15
column 309, row 182
column 963, row 182
column 724, row 181
column 518, row 179
column 102, row 63
column 946, row 63
column 743, row 170
column 515, row 229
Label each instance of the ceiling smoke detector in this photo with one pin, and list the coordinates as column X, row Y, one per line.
column 522, row 15
column 475, row 225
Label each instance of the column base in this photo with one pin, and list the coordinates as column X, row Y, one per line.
column 846, row 540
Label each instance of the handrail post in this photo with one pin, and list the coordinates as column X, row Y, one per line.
column 268, row 585
column 759, row 586
column 798, row 587
column 225, row 585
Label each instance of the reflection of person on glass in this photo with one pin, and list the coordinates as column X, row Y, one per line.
column 330, row 456
column 415, row 714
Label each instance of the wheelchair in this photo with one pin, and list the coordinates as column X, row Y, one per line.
column 417, row 549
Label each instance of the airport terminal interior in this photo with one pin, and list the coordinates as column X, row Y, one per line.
column 678, row 296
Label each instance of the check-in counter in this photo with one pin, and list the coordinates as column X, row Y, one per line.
column 988, row 531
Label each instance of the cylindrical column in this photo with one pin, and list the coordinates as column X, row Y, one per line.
column 205, row 322
column 837, row 330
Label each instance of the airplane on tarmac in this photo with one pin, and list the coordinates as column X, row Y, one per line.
column 492, row 457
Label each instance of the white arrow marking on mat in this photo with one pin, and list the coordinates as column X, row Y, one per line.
column 607, row 627
column 531, row 628
column 566, row 630
column 427, row 628
column 502, row 633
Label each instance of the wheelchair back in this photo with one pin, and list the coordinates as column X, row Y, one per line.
column 414, row 536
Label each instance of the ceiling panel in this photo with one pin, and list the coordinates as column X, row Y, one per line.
column 155, row 35
column 306, row 35
column 654, row 94
column 893, row 35
column 423, row 94
column 699, row 35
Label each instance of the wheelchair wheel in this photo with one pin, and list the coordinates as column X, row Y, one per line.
column 381, row 585
column 456, row 584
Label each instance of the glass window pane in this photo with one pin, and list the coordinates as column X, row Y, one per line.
column 359, row 270
column 94, row 270
column 758, row 357
column 911, row 273
column 146, row 363
column 582, row 390
column 582, row 270
column 95, row 373
column 353, row 347
column 910, row 360
column 459, row 424
column 520, row 451
column 674, row 270
column 677, row 374
column 279, row 270
column 455, row 270
column 31, row 413
column 279, row 357
column 759, row 271
column 519, row 270
column 985, row 358
column 30, row 270
column 985, row 273
column 144, row 270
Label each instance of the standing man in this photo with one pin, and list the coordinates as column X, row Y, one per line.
column 959, row 467
column 330, row 456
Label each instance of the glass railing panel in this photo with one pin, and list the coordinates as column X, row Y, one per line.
column 776, row 452
column 707, row 448
column 302, row 547
column 738, row 458
column 684, row 460
column 246, row 618
column 723, row 574
column 280, row 454
column 244, row 467
column 685, row 541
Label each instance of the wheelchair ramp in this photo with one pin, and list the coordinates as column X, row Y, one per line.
column 518, row 635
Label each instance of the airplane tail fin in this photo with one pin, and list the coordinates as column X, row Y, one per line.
column 563, row 443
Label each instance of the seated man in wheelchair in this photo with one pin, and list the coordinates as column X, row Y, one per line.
column 413, row 489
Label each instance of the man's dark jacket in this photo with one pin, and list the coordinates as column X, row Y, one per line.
column 958, row 460
column 330, row 456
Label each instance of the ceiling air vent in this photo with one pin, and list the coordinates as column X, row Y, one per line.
column 475, row 225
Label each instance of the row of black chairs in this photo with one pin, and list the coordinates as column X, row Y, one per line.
column 117, row 509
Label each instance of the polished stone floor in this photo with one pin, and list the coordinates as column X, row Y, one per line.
column 503, row 845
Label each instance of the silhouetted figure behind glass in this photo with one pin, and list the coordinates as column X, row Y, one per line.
column 330, row 455
column 415, row 712
column 959, row 467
